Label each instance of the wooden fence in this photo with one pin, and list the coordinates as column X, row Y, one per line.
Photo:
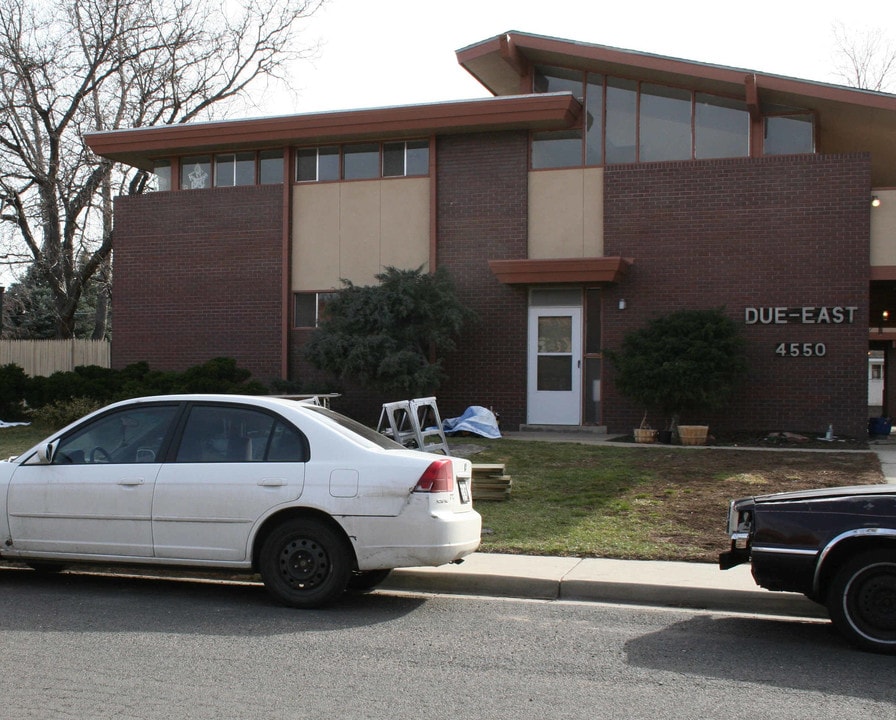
column 44, row 357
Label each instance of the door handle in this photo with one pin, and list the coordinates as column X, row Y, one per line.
column 272, row 482
column 130, row 482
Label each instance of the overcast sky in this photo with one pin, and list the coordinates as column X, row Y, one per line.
column 376, row 53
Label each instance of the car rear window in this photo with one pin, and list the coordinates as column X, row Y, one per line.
column 354, row 427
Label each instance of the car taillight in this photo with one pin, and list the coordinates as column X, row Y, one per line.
column 438, row 477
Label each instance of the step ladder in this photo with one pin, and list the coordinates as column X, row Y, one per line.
column 414, row 424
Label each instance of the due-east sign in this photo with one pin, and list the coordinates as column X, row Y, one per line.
column 809, row 315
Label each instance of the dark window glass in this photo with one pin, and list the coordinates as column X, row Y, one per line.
column 306, row 309
column 664, row 131
column 328, row 164
column 361, row 161
column 562, row 148
column 393, row 159
column 306, row 165
column 216, row 433
column 593, row 321
column 555, row 372
column 270, row 167
column 721, row 127
column 622, row 105
column 417, row 158
column 196, row 172
column 789, row 134
column 224, row 170
column 129, row 435
column 244, row 171
column 594, row 120
column 554, row 79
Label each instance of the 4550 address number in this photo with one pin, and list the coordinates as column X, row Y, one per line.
column 798, row 349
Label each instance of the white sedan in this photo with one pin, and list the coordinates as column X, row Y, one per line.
column 312, row 500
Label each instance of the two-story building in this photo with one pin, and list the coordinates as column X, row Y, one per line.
column 597, row 189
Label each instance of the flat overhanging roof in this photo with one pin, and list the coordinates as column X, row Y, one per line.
column 140, row 146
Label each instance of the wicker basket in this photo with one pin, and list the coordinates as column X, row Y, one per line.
column 693, row 434
column 645, row 435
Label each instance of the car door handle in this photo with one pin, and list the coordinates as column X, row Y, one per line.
column 130, row 482
column 272, row 482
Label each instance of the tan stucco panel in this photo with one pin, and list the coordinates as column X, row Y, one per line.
column 566, row 209
column 353, row 230
column 883, row 229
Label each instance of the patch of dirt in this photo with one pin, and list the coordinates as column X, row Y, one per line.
column 696, row 486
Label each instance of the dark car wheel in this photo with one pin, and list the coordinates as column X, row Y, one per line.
column 305, row 563
column 363, row 581
column 862, row 601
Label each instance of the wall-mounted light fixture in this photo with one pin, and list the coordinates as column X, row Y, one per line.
column 884, row 316
column 621, row 303
column 875, row 201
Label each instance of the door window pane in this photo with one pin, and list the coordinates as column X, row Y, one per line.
column 555, row 334
column 555, row 372
column 665, row 124
column 130, row 435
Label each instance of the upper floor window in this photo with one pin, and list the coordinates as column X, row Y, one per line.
column 628, row 121
column 235, row 169
column 196, row 172
column 406, row 158
column 162, row 171
column 789, row 134
column 222, row 170
column 363, row 161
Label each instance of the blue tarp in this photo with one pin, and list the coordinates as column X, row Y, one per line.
column 476, row 420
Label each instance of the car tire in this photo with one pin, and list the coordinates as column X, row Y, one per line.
column 305, row 563
column 363, row 581
column 862, row 601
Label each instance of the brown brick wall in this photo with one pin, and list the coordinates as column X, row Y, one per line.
column 788, row 231
column 482, row 216
column 198, row 276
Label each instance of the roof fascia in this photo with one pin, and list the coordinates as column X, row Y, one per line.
column 138, row 146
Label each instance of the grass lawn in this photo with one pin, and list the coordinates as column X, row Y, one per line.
column 644, row 502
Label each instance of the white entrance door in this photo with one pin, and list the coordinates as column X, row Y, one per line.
column 555, row 366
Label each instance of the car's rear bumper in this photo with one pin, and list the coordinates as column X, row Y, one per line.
column 437, row 539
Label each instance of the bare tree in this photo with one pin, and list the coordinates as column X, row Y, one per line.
column 68, row 67
column 864, row 59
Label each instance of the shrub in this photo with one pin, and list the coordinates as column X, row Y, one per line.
column 62, row 412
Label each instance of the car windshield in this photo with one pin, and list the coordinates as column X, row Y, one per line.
column 354, row 427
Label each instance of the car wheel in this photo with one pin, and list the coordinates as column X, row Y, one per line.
column 47, row 567
column 305, row 563
column 363, row 581
column 862, row 601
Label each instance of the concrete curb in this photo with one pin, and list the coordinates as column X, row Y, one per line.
column 700, row 586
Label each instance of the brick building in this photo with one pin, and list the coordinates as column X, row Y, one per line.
column 597, row 189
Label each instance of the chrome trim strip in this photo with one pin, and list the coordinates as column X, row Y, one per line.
column 857, row 532
column 783, row 551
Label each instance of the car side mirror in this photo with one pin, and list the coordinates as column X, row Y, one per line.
column 46, row 453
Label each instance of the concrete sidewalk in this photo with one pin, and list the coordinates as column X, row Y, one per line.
column 672, row 584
